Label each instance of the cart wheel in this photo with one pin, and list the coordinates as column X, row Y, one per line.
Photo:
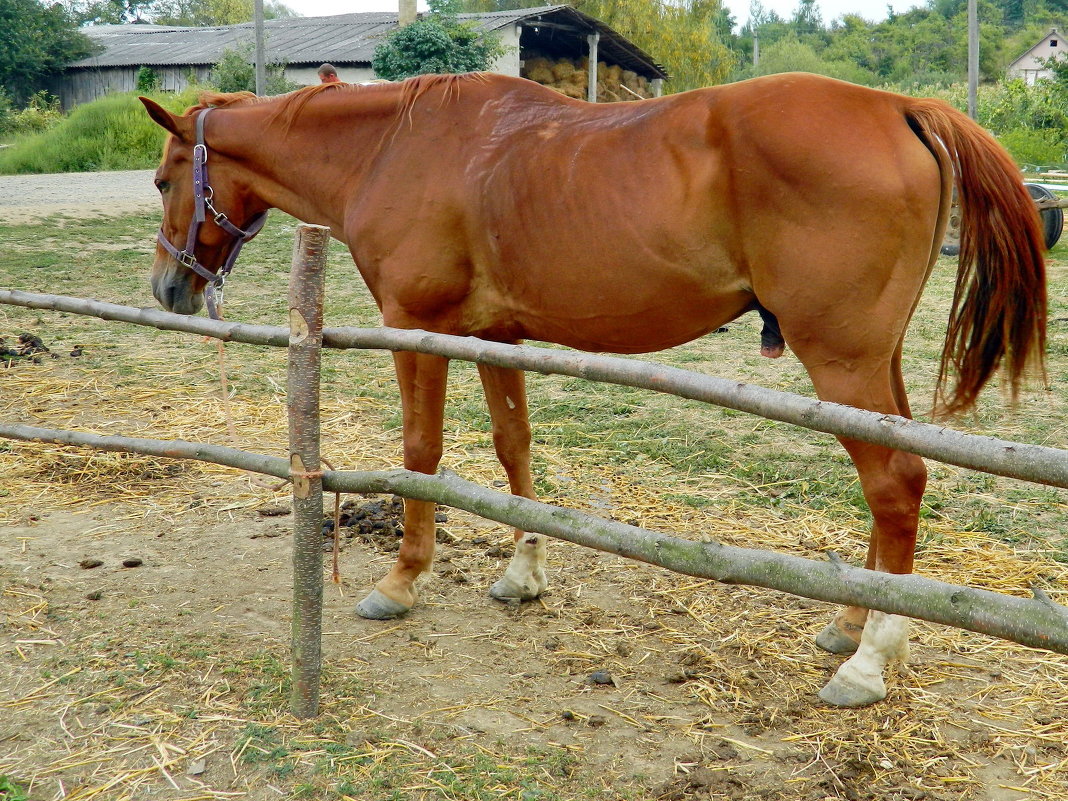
column 951, row 241
column 1052, row 219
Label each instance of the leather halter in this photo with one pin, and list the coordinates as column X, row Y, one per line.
column 202, row 197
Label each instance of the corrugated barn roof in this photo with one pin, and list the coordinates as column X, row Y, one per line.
column 341, row 39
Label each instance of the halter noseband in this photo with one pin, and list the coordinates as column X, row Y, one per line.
column 202, row 196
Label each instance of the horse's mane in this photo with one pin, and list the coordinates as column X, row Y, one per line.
column 288, row 106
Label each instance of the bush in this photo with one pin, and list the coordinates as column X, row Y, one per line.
column 236, row 72
column 41, row 113
column 1037, row 147
column 147, row 80
column 434, row 44
column 113, row 133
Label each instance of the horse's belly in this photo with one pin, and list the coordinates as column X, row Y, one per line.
column 614, row 321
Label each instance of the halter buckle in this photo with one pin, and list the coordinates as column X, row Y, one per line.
column 186, row 259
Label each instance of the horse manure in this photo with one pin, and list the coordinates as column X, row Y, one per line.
column 28, row 343
column 89, row 564
column 132, row 561
column 600, row 677
column 95, row 595
column 29, row 347
column 378, row 522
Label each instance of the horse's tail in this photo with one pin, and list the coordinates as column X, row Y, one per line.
column 998, row 316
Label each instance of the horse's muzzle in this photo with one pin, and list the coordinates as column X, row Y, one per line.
column 172, row 286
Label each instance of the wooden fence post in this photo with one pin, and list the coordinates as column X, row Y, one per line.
column 302, row 404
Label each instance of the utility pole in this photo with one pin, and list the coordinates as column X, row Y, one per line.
column 756, row 47
column 406, row 13
column 261, row 56
column 973, row 59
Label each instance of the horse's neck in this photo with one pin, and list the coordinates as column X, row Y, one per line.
column 307, row 168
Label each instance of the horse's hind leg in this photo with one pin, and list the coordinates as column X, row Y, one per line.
column 422, row 385
column 893, row 483
column 507, row 399
column 842, row 635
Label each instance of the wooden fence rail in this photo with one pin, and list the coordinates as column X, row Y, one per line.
column 1036, row 463
column 1036, row 621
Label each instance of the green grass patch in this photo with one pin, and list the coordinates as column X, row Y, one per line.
column 113, row 133
column 10, row 790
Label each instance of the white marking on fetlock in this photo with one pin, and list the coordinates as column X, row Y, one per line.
column 379, row 606
column 525, row 577
column 859, row 681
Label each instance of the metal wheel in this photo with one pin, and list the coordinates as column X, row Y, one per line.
column 1052, row 219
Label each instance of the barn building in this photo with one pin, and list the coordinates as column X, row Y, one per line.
column 551, row 44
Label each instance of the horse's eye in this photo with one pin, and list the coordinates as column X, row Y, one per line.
column 162, row 186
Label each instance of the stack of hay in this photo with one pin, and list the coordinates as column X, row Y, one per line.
column 571, row 78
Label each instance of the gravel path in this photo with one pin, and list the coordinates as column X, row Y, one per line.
column 25, row 198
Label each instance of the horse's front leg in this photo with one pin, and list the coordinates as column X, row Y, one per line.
column 507, row 399
column 422, row 386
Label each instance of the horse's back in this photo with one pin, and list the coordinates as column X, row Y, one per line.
column 637, row 226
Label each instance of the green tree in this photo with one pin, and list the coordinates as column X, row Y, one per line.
column 686, row 36
column 206, row 13
column 792, row 55
column 437, row 43
column 36, row 41
column 807, row 20
column 110, row 12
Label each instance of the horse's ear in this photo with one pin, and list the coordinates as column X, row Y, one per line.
column 170, row 122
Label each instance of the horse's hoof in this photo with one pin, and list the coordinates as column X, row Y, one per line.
column 508, row 589
column 377, row 606
column 847, row 692
column 836, row 641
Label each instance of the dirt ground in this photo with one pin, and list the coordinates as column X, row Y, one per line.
column 157, row 672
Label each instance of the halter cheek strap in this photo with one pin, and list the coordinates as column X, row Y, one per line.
column 202, row 204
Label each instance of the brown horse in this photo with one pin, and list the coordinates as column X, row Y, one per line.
column 490, row 206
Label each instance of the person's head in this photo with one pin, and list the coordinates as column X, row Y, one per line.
column 328, row 74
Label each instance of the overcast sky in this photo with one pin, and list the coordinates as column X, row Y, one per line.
column 830, row 9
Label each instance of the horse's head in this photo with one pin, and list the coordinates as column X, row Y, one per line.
column 205, row 223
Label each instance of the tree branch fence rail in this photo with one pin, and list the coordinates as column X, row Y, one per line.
column 1036, row 621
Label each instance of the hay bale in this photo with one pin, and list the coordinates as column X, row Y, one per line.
column 538, row 69
column 613, row 76
column 563, row 69
column 578, row 78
